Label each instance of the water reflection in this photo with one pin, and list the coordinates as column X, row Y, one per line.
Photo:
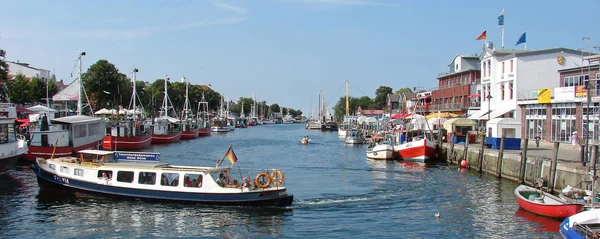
column 85, row 217
column 546, row 224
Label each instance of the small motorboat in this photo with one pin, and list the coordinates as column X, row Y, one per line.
column 577, row 195
column 585, row 224
column 381, row 151
column 545, row 204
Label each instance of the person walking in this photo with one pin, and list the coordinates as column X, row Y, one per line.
column 575, row 140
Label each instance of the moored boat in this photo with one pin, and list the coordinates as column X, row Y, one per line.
column 189, row 125
column 419, row 150
column 545, row 204
column 203, row 118
column 141, row 176
column 381, row 151
column 12, row 144
column 582, row 225
column 166, row 129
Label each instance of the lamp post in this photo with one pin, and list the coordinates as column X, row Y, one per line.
column 589, row 100
column 489, row 100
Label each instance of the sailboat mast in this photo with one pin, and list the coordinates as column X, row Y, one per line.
column 186, row 104
column 165, row 100
column 79, row 106
column 347, row 102
column 135, row 70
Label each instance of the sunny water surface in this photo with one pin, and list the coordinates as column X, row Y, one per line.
column 338, row 194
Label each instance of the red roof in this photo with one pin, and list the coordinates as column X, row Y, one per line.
column 23, row 110
column 370, row 112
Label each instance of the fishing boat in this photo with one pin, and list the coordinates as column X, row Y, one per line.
column 189, row 124
column 219, row 123
column 12, row 144
column 65, row 136
column 382, row 151
column 545, row 204
column 166, row 129
column 577, row 195
column 418, row 150
column 203, row 118
column 142, row 176
column 130, row 133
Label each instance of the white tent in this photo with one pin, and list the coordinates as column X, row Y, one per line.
column 361, row 119
column 511, row 127
column 105, row 111
column 41, row 109
column 70, row 93
column 371, row 120
column 436, row 123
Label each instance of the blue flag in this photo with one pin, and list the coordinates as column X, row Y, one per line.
column 501, row 19
column 522, row 39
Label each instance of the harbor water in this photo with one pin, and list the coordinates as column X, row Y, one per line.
column 338, row 193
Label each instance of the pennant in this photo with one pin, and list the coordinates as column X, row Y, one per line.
column 501, row 19
column 522, row 39
column 483, row 36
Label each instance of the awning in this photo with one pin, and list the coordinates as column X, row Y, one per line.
column 499, row 112
column 23, row 110
column 474, row 95
column 478, row 115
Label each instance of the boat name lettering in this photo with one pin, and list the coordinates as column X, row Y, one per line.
column 61, row 179
column 136, row 156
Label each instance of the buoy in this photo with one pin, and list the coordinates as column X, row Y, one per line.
column 463, row 163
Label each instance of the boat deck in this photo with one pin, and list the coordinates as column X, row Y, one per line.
column 587, row 230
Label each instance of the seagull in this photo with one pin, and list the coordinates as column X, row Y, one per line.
column 437, row 214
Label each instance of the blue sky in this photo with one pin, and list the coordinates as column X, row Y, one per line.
column 287, row 51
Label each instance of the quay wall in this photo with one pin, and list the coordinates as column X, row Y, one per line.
column 537, row 169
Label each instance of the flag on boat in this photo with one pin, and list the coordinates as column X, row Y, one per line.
column 483, row 36
column 231, row 156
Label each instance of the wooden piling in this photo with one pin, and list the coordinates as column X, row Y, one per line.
column 451, row 140
column 552, row 174
column 465, row 154
column 594, row 155
column 481, row 156
column 523, row 166
column 500, row 156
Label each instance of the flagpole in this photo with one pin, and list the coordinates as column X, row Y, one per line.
column 223, row 158
column 525, row 40
column 502, row 26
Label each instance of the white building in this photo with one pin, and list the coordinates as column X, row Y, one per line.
column 506, row 72
column 16, row 68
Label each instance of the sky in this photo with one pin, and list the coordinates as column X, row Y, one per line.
column 286, row 51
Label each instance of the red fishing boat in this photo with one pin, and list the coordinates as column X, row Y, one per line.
column 188, row 123
column 418, row 150
column 545, row 204
column 166, row 129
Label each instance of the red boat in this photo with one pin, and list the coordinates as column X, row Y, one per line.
column 418, row 151
column 67, row 136
column 190, row 134
column 545, row 204
column 204, row 132
column 166, row 138
column 126, row 143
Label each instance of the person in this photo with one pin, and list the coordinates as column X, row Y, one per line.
column 537, row 142
column 220, row 180
column 304, row 139
column 198, row 182
column 575, row 140
column 186, row 182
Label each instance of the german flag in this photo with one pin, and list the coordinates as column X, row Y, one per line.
column 231, row 156
column 483, row 36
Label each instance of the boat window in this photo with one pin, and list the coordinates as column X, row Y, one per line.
column 169, row 179
column 192, row 180
column 80, row 131
column 125, row 176
column 147, row 178
column 64, row 169
column 52, row 166
column 78, row 172
column 106, row 174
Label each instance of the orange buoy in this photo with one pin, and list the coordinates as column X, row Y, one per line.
column 463, row 163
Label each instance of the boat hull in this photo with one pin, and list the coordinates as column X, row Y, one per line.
column 166, row 138
column 50, row 182
column 8, row 163
column 47, row 151
column 204, row 132
column 382, row 152
column 126, row 143
column 581, row 225
column 560, row 210
column 192, row 134
column 417, row 151
column 220, row 129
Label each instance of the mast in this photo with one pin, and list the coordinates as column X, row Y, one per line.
column 347, row 101
column 79, row 106
column 186, row 104
column 166, row 98
column 135, row 70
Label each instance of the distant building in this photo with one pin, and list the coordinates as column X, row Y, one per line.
column 395, row 104
column 16, row 68
column 369, row 113
column 458, row 89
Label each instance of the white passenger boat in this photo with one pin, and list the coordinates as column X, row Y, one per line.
column 140, row 175
column 381, row 151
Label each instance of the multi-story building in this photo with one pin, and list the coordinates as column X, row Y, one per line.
column 506, row 72
column 395, row 104
column 20, row 68
column 458, row 88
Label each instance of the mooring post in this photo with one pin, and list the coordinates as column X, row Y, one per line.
column 594, row 155
column 465, row 154
column 582, row 152
column 500, row 155
column 523, row 166
column 552, row 174
column 481, row 156
column 451, row 140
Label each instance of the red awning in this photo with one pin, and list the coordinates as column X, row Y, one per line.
column 474, row 95
column 23, row 110
column 400, row 116
column 22, row 122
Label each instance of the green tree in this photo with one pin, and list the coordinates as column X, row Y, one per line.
column 19, row 90
column 104, row 84
column 381, row 97
column 274, row 108
column 52, row 88
column 3, row 77
column 37, row 89
column 404, row 91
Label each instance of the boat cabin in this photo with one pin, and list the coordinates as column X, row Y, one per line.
column 70, row 131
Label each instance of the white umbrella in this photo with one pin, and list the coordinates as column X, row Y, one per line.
column 105, row 111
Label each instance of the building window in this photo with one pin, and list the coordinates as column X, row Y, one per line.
column 489, row 68
column 510, row 90
column 511, row 66
column 502, row 67
column 483, row 67
column 502, row 91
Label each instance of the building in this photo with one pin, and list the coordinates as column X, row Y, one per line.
column 458, row 89
column 369, row 113
column 395, row 104
column 565, row 109
column 16, row 68
column 506, row 72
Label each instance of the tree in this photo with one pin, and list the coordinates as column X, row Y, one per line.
column 403, row 91
column 19, row 90
column 37, row 89
column 3, row 77
column 274, row 108
column 381, row 97
column 104, row 84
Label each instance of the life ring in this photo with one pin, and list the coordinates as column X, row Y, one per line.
column 263, row 176
column 277, row 177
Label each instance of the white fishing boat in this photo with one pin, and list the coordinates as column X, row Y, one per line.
column 141, row 176
column 12, row 144
column 219, row 123
column 381, row 151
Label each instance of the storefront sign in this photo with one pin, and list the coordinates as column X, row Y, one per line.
column 580, row 91
column 564, row 94
column 544, row 96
